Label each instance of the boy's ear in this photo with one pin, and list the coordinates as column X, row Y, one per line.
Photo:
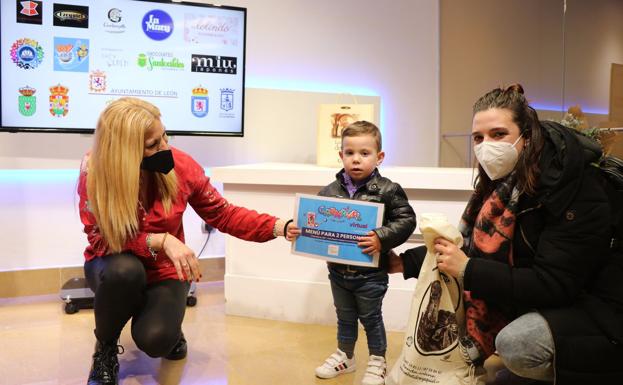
column 380, row 157
column 341, row 155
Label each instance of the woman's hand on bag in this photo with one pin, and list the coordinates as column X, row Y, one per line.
column 395, row 264
column 183, row 258
column 450, row 258
column 371, row 242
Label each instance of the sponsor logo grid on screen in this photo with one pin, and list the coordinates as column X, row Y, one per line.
column 78, row 56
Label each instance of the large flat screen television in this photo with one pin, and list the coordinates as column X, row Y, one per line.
column 62, row 61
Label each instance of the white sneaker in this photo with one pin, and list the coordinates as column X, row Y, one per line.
column 375, row 374
column 336, row 364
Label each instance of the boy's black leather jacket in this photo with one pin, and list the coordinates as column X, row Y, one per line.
column 398, row 219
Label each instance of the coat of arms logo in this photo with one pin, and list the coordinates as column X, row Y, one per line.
column 199, row 102
column 97, row 81
column 27, row 101
column 59, row 100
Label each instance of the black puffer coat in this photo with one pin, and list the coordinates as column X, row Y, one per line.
column 564, row 266
column 398, row 217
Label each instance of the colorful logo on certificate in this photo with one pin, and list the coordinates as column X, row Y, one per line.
column 29, row 12
column 26, row 53
column 334, row 213
column 27, row 101
column 97, row 81
column 199, row 102
column 59, row 100
column 71, row 54
column 227, row 99
column 157, row 25
column 311, row 219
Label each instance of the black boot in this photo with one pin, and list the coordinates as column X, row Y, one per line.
column 179, row 351
column 105, row 368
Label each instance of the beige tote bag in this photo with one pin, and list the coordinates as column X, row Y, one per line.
column 430, row 352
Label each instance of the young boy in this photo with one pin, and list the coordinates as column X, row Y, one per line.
column 358, row 291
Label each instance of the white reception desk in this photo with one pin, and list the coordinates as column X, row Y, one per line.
column 267, row 281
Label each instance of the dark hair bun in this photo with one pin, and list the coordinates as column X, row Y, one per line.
column 516, row 87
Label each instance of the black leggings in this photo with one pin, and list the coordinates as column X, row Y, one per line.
column 121, row 292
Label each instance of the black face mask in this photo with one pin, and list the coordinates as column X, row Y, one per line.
column 162, row 162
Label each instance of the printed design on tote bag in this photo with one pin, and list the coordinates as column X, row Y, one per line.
column 437, row 330
column 340, row 121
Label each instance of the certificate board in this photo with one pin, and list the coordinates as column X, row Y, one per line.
column 330, row 228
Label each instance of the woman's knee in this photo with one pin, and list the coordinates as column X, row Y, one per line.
column 526, row 347
column 156, row 341
column 124, row 270
column 509, row 347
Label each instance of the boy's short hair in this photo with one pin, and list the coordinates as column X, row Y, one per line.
column 363, row 127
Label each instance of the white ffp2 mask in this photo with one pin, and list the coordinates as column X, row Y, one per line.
column 498, row 159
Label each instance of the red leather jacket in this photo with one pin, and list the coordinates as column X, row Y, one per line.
column 194, row 188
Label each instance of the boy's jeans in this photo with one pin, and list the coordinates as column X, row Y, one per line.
column 360, row 296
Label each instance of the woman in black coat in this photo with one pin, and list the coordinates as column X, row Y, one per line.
column 540, row 250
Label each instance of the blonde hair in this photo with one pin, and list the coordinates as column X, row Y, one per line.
column 362, row 127
column 114, row 173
